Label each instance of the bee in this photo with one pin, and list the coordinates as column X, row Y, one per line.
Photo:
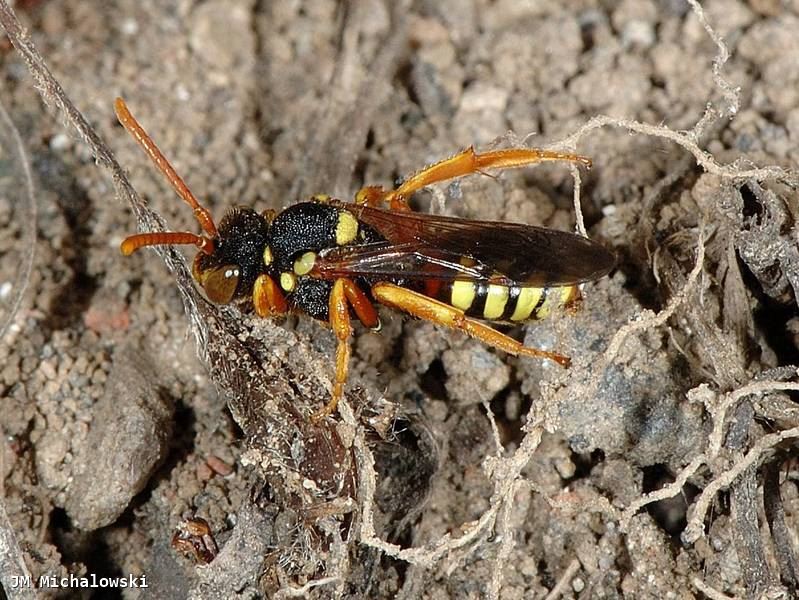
column 334, row 260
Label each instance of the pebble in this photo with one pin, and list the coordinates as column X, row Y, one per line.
column 60, row 142
column 47, row 369
column 219, row 466
column 128, row 439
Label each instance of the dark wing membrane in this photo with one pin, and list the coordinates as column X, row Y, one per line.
column 409, row 260
column 424, row 246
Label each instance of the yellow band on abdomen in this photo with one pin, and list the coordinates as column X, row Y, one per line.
column 526, row 302
column 463, row 293
column 556, row 298
column 496, row 300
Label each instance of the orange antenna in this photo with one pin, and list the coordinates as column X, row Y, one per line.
column 165, row 238
column 146, row 142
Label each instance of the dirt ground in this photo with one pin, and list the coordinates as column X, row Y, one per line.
column 662, row 464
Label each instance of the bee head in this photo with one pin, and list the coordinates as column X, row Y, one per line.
column 229, row 271
column 231, row 257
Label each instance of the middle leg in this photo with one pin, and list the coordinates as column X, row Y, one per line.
column 345, row 294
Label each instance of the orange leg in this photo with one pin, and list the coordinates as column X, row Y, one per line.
column 267, row 298
column 434, row 311
column 345, row 294
column 361, row 305
column 464, row 163
column 371, row 195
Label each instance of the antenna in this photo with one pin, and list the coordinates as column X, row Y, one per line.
column 134, row 242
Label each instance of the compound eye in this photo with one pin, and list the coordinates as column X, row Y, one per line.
column 220, row 283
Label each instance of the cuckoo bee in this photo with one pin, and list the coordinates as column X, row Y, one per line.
column 333, row 260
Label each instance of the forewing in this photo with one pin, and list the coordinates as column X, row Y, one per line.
column 424, row 246
column 409, row 260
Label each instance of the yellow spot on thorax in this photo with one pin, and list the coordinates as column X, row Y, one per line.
column 268, row 258
column 288, row 281
column 304, row 264
column 346, row 228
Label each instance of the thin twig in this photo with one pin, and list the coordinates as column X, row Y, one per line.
column 731, row 93
column 505, row 547
column 719, row 414
column 494, row 429
column 14, row 574
column 648, row 320
column 714, row 442
column 576, row 195
column 703, row 158
column 695, row 528
column 564, row 580
column 303, row 590
column 710, row 592
column 12, row 143
column 673, row 489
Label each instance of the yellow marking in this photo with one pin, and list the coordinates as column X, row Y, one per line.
column 542, row 312
column 268, row 256
column 304, row 264
column 567, row 294
column 525, row 303
column 495, row 301
column 556, row 298
column 288, row 281
column 463, row 293
column 346, row 229
column 553, row 301
column 321, row 198
column 428, row 309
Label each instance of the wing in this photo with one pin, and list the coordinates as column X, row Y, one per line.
column 421, row 246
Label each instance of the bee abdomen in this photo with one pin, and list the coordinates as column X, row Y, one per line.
column 513, row 304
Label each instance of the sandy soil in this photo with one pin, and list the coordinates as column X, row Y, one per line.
column 132, row 409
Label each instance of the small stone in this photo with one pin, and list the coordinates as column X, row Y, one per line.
column 60, row 142
column 128, row 439
column 219, row 466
